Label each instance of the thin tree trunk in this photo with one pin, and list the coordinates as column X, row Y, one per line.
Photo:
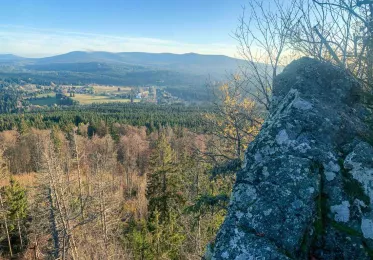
column 79, row 177
column 35, row 251
column 6, row 227
column 60, row 201
column 64, row 247
column 19, row 231
column 56, row 251
column 370, row 48
column 102, row 206
column 238, row 138
column 199, row 218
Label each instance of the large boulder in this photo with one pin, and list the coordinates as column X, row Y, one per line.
column 306, row 188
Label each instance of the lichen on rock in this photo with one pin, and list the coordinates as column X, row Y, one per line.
column 306, row 187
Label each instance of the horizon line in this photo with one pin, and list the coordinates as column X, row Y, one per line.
column 30, row 42
column 64, row 53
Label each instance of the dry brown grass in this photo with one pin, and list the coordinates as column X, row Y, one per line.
column 25, row 179
column 89, row 99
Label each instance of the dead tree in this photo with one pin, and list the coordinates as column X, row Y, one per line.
column 79, row 172
column 340, row 31
column 59, row 197
column 263, row 44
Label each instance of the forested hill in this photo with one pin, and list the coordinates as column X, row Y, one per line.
column 215, row 66
column 185, row 75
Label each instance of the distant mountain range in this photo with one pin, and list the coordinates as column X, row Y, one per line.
column 214, row 65
column 10, row 58
column 184, row 74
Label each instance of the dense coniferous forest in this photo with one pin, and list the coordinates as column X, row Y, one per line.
column 149, row 115
column 118, row 180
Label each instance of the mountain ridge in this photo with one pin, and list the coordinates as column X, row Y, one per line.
column 9, row 57
column 184, row 75
column 130, row 52
column 216, row 66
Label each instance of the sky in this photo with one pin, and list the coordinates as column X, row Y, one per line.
column 40, row 28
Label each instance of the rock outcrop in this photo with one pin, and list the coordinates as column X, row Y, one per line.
column 306, row 187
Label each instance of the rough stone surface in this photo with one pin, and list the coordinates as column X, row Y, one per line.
column 306, row 187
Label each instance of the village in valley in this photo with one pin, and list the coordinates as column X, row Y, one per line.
column 37, row 96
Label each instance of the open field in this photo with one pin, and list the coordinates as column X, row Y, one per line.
column 43, row 101
column 114, row 90
column 89, row 99
column 101, row 94
column 50, row 94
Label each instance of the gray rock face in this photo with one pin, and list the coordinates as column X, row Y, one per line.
column 306, row 187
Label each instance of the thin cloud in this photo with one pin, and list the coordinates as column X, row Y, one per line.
column 34, row 42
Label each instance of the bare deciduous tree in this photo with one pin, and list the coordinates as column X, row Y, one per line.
column 262, row 37
column 339, row 31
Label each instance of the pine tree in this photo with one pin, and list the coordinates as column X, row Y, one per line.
column 167, row 237
column 165, row 202
column 163, row 185
column 173, row 237
column 16, row 201
column 140, row 240
column 23, row 127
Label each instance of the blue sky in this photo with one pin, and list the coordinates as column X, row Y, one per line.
column 35, row 28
